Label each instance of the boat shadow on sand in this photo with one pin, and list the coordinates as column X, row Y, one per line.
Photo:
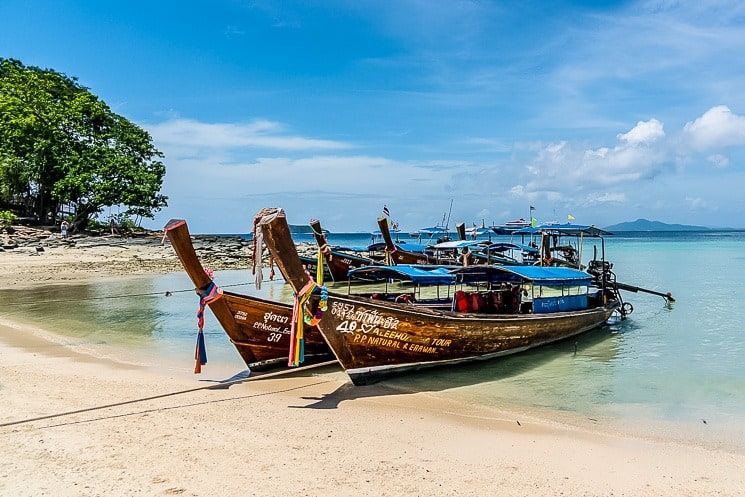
column 599, row 345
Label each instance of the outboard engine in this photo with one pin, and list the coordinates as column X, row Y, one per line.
column 603, row 277
column 601, row 272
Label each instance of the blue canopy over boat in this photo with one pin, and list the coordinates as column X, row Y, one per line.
column 542, row 275
column 453, row 244
column 504, row 246
column 474, row 231
column 412, row 247
column 425, row 275
column 434, row 230
column 431, row 234
column 433, row 275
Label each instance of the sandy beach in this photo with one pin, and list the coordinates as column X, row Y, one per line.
column 43, row 257
column 77, row 425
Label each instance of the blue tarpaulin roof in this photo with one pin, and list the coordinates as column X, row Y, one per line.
column 453, row 244
column 425, row 275
column 433, row 230
column 412, row 247
column 503, row 246
column 543, row 275
column 432, row 275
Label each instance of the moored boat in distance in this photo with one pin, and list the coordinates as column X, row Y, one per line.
column 562, row 244
column 510, row 226
column 338, row 260
column 395, row 254
column 507, row 253
column 476, row 232
column 490, row 317
column 258, row 328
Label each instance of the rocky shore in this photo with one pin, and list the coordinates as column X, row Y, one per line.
column 34, row 255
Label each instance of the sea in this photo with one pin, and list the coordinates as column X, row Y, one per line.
column 670, row 370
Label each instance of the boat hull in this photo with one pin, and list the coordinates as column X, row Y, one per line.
column 397, row 255
column 338, row 263
column 374, row 339
column 259, row 329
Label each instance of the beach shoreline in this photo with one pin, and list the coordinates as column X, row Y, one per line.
column 304, row 433
column 44, row 257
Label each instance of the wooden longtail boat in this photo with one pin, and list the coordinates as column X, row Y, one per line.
column 259, row 329
column 470, row 252
column 562, row 244
column 397, row 255
column 338, row 262
column 507, row 253
column 374, row 338
column 311, row 264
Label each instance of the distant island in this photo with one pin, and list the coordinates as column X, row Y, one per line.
column 646, row 225
column 300, row 229
column 303, row 229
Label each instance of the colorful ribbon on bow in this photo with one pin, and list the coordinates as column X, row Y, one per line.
column 388, row 254
column 322, row 252
column 300, row 317
column 210, row 294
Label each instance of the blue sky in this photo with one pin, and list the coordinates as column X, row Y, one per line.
column 608, row 111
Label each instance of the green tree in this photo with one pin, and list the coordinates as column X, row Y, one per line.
column 60, row 144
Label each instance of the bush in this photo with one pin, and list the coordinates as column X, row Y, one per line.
column 124, row 224
column 7, row 219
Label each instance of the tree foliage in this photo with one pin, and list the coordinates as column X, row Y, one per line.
column 60, row 145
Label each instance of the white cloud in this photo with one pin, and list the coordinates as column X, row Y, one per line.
column 604, row 198
column 644, row 133
column 640, row 153
column 492, row 144
column 696, row 202
column 719, row 161
column 717, row 127
column 260, row 133
column 363, row 174
column 517, row 191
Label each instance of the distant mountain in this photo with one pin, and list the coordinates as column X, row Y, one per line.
column 300, row 229
column 646, row 225
column 303, row 229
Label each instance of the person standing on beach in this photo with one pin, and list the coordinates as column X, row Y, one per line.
column 112, row 225
column 63, row 228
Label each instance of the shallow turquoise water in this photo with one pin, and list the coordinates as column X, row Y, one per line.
column 677, row 368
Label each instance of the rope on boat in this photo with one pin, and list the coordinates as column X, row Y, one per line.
column 220, row 385
column 166, row 293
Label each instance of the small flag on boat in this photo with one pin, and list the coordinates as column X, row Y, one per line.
column 386, row 212
column 533, row 222
column 532, row 208
column 570, row 217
